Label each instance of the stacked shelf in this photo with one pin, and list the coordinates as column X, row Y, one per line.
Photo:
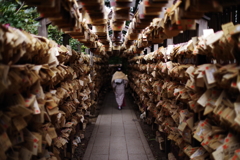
column 45, row 96
column 194, row 103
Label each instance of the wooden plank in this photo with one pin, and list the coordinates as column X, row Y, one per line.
column 79, row 46
column 66, row 39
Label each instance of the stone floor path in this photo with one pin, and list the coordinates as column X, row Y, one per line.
column 117, row 134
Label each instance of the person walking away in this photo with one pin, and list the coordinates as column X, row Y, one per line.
column 119, row 82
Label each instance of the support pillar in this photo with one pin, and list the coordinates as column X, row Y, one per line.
column 66, row 39
column 42, row 29
column 79, row 46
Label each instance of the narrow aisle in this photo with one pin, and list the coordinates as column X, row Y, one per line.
column 116, row 135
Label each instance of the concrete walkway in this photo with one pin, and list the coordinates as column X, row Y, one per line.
column 117, row 135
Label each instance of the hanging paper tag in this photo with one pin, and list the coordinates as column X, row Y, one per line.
column 36, row 109
column 69, row 50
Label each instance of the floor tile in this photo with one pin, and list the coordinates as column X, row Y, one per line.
column 116, row 135
column 137, row 157
column 118, row 157
column 100, row 149
column 98, row 157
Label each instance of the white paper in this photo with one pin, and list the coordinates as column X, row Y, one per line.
column 36, row 109
column 218, row 154
column 207, row 32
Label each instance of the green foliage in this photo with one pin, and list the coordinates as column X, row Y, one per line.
column 18, row 15
column 83, row 49
column 55, row 34
column 21, row 16
column 74, row 43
